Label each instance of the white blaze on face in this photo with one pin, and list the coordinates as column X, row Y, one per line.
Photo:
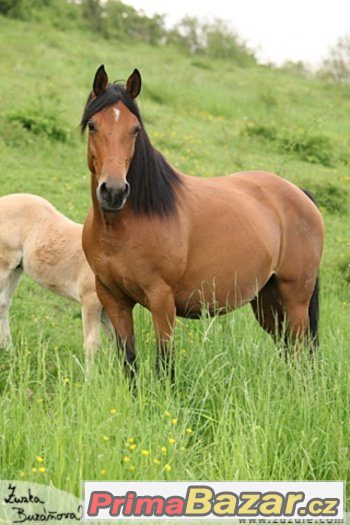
column 116, row 114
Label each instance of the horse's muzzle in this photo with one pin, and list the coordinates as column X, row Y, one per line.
column 112, row 196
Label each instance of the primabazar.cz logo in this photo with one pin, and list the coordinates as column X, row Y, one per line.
column 214, row 500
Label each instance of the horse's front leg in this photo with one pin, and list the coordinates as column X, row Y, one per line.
column 119, row 309
column 162, row 306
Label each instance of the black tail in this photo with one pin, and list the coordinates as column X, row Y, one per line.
column 314, row 314
column 314, row 306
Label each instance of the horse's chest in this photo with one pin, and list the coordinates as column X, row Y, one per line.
column 117, row 273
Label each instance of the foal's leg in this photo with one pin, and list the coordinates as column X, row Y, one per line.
column 106, row 324
column 119, row 309
column 8, row 283
column 162, row 306
column 91, row 310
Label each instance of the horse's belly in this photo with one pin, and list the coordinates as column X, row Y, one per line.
column 221, row 292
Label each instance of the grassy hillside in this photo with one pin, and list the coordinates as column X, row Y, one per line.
column 238, row 411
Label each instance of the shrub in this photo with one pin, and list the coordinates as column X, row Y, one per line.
column 311, row 148
column 41, row 123
column 332, row 198
column 254, row 129
column 214, row 39
column 337, row 64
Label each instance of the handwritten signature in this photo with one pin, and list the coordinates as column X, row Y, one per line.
column 22, row 516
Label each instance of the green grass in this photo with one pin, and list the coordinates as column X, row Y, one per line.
column 251, row 415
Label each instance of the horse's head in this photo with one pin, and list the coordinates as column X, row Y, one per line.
column 114, row 123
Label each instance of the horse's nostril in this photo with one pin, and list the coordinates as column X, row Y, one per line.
column 127, row 189
column 104, row 192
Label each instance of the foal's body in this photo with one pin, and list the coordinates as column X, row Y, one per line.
column 37, row 239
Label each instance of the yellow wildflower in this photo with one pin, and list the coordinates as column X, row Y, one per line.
column 102, row 471
column 132, row 468
column 126, row 459
column 167, row 467
column 133, row 446
column 66, row 380
column 105, row 438
column 22, row 474
column 167, row 413
column 130, row 440
column 174, row 421
column 164, row 450
column 42, row 470
column 171, row 441
column 189, row 430
column 156, row 461
column 145, row 453
column 34, row 469
column 113, row 411
column 39, row 459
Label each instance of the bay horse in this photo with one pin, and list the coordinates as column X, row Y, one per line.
column 173, row 242
column 37, row 239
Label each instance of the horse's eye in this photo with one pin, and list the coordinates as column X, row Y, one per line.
column 91, row 125
column 136, row 130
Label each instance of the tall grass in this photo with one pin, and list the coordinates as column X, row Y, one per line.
column 237, row 411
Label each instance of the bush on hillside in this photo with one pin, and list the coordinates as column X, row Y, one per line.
column 41, row 123
column 337, row 64
column 122, row 21
column 215, row 39
column 316, row 149
column 330, row 197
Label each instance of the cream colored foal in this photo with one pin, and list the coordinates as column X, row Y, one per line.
column 37, row 239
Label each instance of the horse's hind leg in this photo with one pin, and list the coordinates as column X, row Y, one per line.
column 283, row 307
column 296, row 295
column 268, row 310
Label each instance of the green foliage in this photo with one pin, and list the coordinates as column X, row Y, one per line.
column 39, row 123
column 114, row 19
column 330, row 197
column 124, row 22
column 311, row 148
column 316, row 149
column 222, row 42
column 263, row 131
column 337, row 65
column 58, row 13
column 344, row 268
column 215, row 39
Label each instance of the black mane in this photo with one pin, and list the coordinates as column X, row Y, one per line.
column 152, row 180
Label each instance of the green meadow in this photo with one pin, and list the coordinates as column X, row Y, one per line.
column 238, row 410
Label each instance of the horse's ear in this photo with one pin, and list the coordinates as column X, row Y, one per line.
column 133, row 85
column 100, row 81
